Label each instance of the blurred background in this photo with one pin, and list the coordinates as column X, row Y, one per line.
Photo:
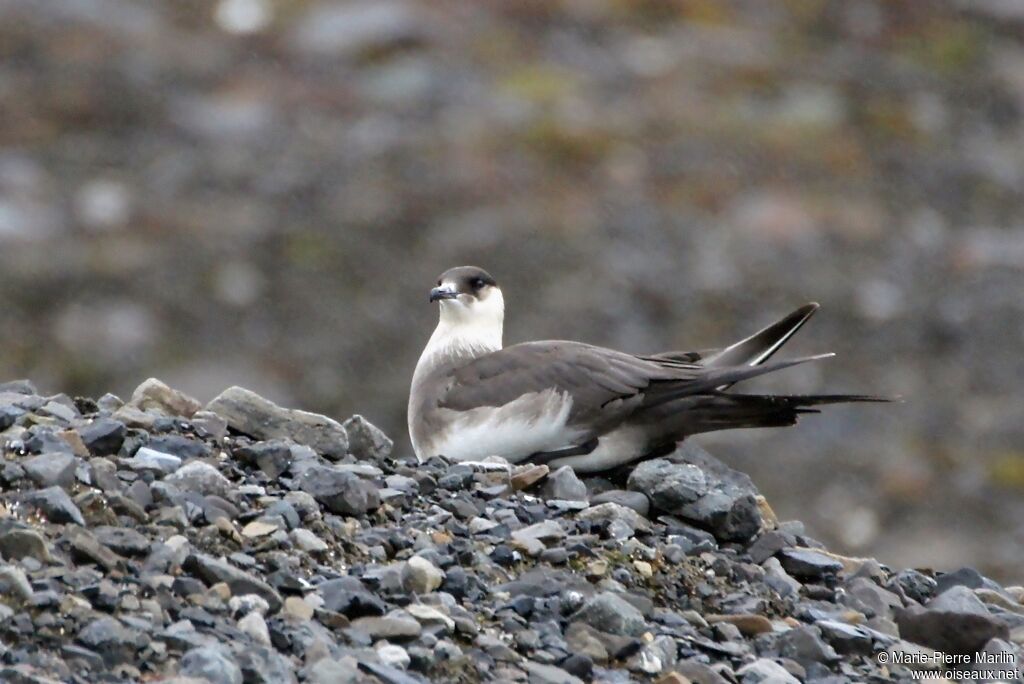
column 261, row 192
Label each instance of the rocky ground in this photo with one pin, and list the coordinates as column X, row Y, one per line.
column 160, row 540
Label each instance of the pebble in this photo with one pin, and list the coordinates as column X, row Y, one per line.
column 222, row 554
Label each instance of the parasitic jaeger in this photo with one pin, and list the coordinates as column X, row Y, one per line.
column 575, row 404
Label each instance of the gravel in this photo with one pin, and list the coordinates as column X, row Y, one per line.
column 249, row 556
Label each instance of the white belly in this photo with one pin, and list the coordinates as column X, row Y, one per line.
column 532, row 423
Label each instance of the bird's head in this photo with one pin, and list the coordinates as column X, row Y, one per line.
column 470, row 297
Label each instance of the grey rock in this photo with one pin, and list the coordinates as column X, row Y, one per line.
column 622, row 521
column 339, row 491
column 14, row 583
column 50, row 469
column 112, row 639
column 212, row 570
column 18, row 543
column 730, row 513
column 184, row 448
column 766, row 546
column 330, row 671
column 532, row 537
column 264, row 665
column 420, row 576
column 765, row 671
column 608, row 612
column 156, row 461
column 808, row 564
column 103, row 436
column 366, row 441
column 201, row 477
column 249, row 413
column 357, row 28
column 955, row 621
column 307, row 541
column 56, row 505
column 388, row 627
column 963, row 577
column 669, row 486
column 846, row 639
column 213, row 663
column 564, row 485
column 539, row 673
column 273, row 457
column 154, row 395
column 122, row 540
column 805, row 645
column 86, row 548
column 636, row 501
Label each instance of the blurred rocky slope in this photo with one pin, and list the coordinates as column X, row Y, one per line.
column 259, row 192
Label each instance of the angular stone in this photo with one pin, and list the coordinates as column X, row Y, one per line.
column 56, row 505
column 212, row 570
column 51, row 469
column 156, row 461
column 339, row 491
column 669, row 486
column 103, row 436
column 636, row 501
column 388, row 627
column 805, row 645
column 955, row 621
column 527, row 475
column 215, row 664
column 608, row 612
column 199, row 477
column 539, row 673
column 14, row 583
column 420, row 576
column 153, row 394
column 17, row 543
column 86, row 548
column 564, row 485
column 808, row 563
column 366, row 441
column 249, row 413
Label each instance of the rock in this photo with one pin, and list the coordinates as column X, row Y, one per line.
column 420, row 576
column 388, row 627
column 805, row 645
column 622, row 522
column 564, row 485
column 51, row 469
column 526, row 476
column 307, row 541
column 636, row 501
column 18, row 543
column 123, row 541
column 531, row 538
column 955, row 621
column 155, row 461
column 199, row 477
column 212, row 570
column 914, row 585
column 330, row 671
column 298, row 608
column 731, row 514
column 964, row 577
column 155, row 395
column 766, row 671
column 357, row 28
column 366, row 441
column 766, row 546
column 607, row 612
column 14, row 583
column 548, row 674
column 749, row 625
column 255, row 626
column 212, row 663
column 393, row 655
column 103, row 436
column 184, row 448
column 251, row 414
column 341, row 492
column 110, row 638
column 272, row 457
column 56, row 505
column 808, row 563
column 88, row 549
column 844, row 638
column 669, row 486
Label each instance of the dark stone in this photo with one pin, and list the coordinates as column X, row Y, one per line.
column 56, row 505
column 808, row 564
column 964, row 577
column 51, row 468
column 103, row 436
column 608, row 612
column 955, row 621
column 122, row 540
column 766, row 546
column 914, row 585
column 212, row 570
column 272, row 457
column 366, row 441
column 341, row 492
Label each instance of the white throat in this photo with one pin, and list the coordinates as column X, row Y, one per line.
column 466, row 331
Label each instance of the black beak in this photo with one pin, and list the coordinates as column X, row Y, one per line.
column 442, row 293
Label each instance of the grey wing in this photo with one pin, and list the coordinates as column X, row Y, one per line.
column 605, row 385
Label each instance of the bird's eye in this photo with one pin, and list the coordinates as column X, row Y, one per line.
column 439, row 283
column 477, row 283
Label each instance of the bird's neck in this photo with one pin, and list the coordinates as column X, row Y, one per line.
column 458, row 342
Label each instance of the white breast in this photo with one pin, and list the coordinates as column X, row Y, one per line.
column 532, row 423
column 618, row 447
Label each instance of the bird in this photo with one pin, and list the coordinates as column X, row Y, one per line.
column 565, row 403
